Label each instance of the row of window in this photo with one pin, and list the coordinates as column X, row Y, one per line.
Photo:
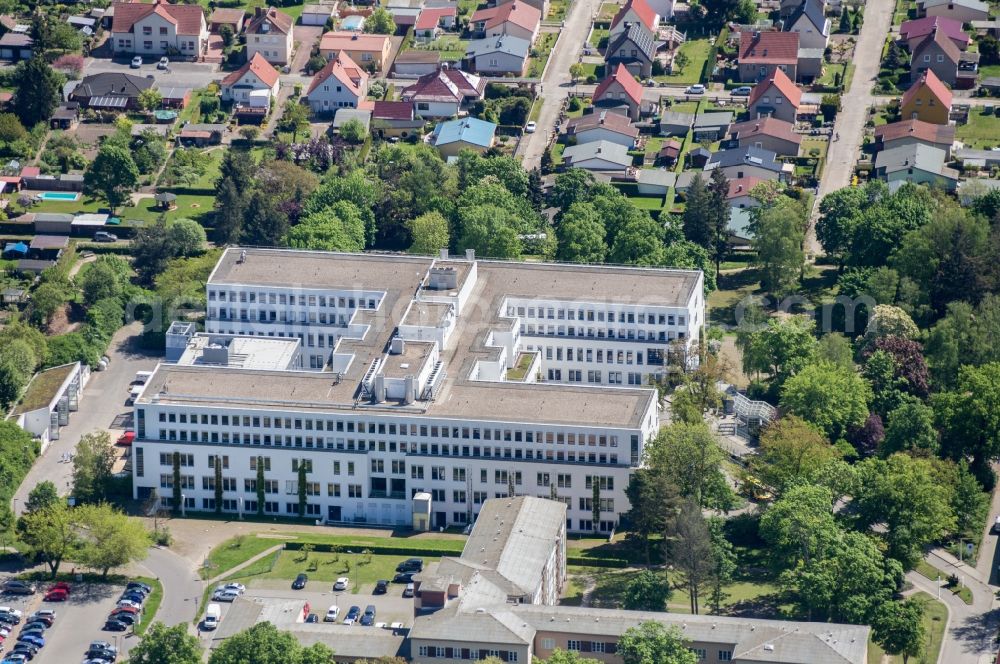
column 304, row 317
column 472, row 654
column 599, row 355
column 596, row 377
column 596, row 315
column 292, row 299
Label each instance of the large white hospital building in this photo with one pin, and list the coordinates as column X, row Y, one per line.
column 393, row 376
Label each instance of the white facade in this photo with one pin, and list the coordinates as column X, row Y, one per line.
column 604, row 134
column 243, row 89
column 416, row 395
column 156, row 35
column 811, row 36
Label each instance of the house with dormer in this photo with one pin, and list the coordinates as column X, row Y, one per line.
column 256, row 75
column 159, row 28
column 635, row 48
column 517, row 19
column 269, row 33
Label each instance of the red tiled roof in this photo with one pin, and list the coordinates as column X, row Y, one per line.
column 615, row 122
column 642, row 10
column 631, row 86
column 779, row 48
column 765, row 127
column 922, row 131
column 447, row 85
column 344, row 70
column 195, row 133
column 930, row 81
column 920, row 27
column 281, row 21
column 31, row 172
column 187, row 18
column 784, row 85
column 393, row 110
column 430, row 17
column 227, row 15
column 260, row 67
column 518, row 13
column 352, row 41
column 742, row 186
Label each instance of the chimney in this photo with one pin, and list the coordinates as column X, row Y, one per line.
column 443, row 254
column 354, row 36
column 470, row 254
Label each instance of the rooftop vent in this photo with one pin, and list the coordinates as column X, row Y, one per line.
column 769, row 647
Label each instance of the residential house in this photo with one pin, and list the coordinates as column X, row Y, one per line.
column 369, row 51
column 540, row 5
column 965, row 11
column 251, row 88
column 811, row 24
column 739, row 196
column 928, row 99
column 775, row 97
column 159, row 28
column 432, row 20
column 416, row 63
column 750, row 161
column 603, row 126
column 634, row 48
column 676, row 123
column 920, row 164
column 915, row 132
column 634, row 12
column 395, row 119
column 318, row 14
column 602, row 156
column 453, row 136
column 269, row 33
column 938, row 53
column 663, row 8
column 497, row 56
column 444, row 93
column 341, row 83
column 763, row 53
column 913, row 32
column 234, row 17
column 711, row 126
column 769, row 133
column 620, row 90
column 110, row 91
column 517, row 19
column 16, row 46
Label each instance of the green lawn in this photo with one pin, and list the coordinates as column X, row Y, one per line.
column 557, row 10
column 468, row 6
column 235, row 551
column 295, row 11
column 449, row 46
column 192, row 112
column 191, row 206
column 828, row 79
column 697, row 52
column 543, row 47
column 808, row 145
column 935, row 617
column 152, row 603
column 362, row 570
column 982, row 131
column 593, row 69
column 596, row 35
column 986, row 71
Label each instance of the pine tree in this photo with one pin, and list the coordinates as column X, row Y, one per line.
column 845, row 20
column 263, row 223
column 260, row 486
column 719, row 214
column 37, row 90
column 698, row 213
column 218, row 484
column 230, row 205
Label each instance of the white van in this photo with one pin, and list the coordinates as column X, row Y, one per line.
column 141, row 377
column 134, row 392
column 213, row 614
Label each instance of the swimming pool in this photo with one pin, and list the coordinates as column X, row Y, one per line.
column 58, row 196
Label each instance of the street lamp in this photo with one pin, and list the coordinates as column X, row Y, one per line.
column 183, row 504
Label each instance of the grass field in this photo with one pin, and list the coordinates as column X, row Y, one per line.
column 234, row 552
column 982, row 130
column 449, row 46
column 810, row 144
column 697, row 52
column 192, row 206
column 935, row 617
column 152, row 604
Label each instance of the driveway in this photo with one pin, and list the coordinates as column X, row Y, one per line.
column 182, row 74
column 843, row 153
column 304, row 37
column 182, row 587
column 556, row 83
column 101, row 408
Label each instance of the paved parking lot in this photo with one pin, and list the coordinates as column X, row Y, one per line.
column 78, row 622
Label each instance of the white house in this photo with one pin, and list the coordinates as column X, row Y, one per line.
column 635, row 12
column 159, row 28
column 811, row 23
column 255, row 76
column 603, row 125
column 270, row 34
column 394, row 332
column 340, row 84
column 599, row 155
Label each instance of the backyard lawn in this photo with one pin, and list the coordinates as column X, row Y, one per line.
column 935, row 617
column 982, row 130
column 449, row 46
column 814, row 147
column 830, row 72
column 696, row 51
column 190, row 206
column 543, row 47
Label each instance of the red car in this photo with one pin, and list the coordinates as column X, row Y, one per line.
column 126, row 438
column 57, row 595
column 61, row 585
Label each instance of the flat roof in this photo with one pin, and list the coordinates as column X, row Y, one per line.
column 427, row 314
column 243, row 352
column 44, row 387
column 410, row 361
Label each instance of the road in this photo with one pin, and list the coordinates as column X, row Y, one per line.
column 556, row 83
column 182, row 587
column 850, row 124
column 102, row 407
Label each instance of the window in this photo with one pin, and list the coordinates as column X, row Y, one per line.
column 700, row 653
column 725, row 655
column 573, row 645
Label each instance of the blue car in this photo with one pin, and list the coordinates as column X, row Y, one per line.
column 34, row 639
column 138, row 598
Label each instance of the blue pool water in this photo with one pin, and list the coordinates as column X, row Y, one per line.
column 59, row 196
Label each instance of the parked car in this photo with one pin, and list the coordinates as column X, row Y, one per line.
column 57, row 595
column 126, row 438
column 113, row 625
column 530, row 127
column 742, row 91
column 136, row 62
column 9, row 619
column 98, row 648
column 225, row 596
column 411, row 566
column 341, row 583
column 37, row 624
column 11, row 610
column 996, row 525
column 18, row 587
column 34, row 639
column 104, row 236
column 352, row 615
column 31, row 633
column 14, row 658
column 696, row 89
column 126, row 609
column 138, row 585
column 128, row 604
column 312, row 618
column 213, row 614
column 408, row 590
column 368, row 619
column 332, row 614
column 43, row 614
column 136, row 597
column 238, row 587
column 300, row 582
column 403, row 577
column 163, row 63
column 26, row 649
column 127, row 618
column 381, row 586
column 61, row 585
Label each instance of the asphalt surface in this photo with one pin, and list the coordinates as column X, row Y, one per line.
column 102, row 407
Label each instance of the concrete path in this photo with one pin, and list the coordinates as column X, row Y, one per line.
column 243, row 565
column 556, row 83
column 850, row 124
column 182, row 587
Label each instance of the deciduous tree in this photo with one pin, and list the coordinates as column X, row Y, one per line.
column 112, row 175
column 166, row 645
column 655, row 643
column 92, row 465
column 831, row 398
column 108, row 538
